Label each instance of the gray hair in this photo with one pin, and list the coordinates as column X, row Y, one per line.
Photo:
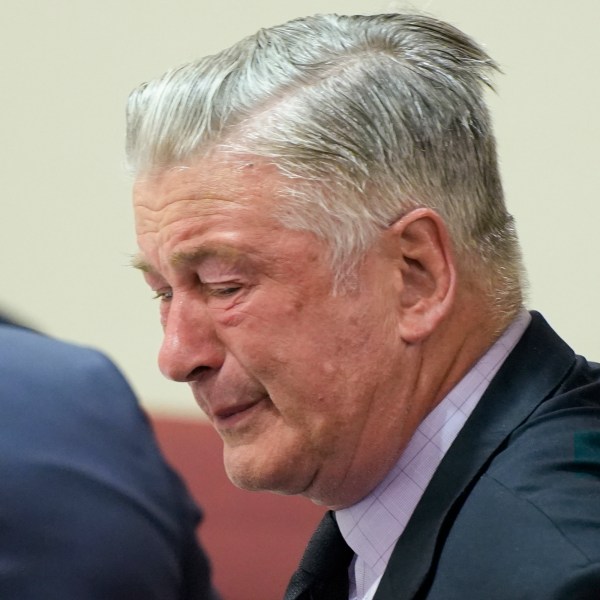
column 368, row 116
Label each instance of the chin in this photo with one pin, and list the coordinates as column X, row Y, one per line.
column 266, row 473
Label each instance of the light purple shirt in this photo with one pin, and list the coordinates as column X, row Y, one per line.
column 372, row 526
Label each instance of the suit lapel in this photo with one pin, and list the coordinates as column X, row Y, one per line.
column 531, row 372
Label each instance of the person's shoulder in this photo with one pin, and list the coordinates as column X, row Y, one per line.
column 81, row 463
column 549, row 468
column 528, row 527
column 36, row 365
column 21, row 345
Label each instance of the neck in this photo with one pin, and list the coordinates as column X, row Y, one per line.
column 449, row 354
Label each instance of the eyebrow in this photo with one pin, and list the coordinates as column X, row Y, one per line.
column 201, row 253
column 140, row 263
column 193, row 256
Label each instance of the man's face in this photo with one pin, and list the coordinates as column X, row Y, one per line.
column 302, row 385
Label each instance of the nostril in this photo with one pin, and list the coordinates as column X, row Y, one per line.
column 197, row 373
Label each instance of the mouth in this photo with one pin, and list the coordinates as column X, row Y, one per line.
column 232, row 416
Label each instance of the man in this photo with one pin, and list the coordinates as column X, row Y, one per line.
column 88, row 507
column 320, row 213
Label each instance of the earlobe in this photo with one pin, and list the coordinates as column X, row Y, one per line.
column 427, row 272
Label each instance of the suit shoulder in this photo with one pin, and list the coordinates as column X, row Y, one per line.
column 35, row 366
column 25, row 350
column 551, row 463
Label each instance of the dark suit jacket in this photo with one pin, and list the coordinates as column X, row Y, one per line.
column 513, row 511
column 88, row 507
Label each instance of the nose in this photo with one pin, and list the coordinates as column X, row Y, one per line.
column 190, row 345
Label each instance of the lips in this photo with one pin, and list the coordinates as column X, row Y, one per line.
column 230, row 411
column 228, row 403
column 226, row 417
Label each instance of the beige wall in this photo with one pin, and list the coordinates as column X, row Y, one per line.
column 66, row 228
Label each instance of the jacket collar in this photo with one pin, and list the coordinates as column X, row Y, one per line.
column 532, row 371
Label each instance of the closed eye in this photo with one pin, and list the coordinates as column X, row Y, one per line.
column 223, row 291
column 163, row 295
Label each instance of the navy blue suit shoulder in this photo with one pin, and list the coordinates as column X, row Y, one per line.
column 88, row 506
column 513, row 511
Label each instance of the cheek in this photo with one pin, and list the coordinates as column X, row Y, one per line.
column 262, row 339
column 321, row 356
column 227, row 318
column 320, row 408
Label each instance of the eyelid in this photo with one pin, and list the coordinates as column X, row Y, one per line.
column 154, row 280
column 223, row 289
column 163, row 294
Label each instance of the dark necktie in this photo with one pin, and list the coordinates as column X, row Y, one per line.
column 323, row 570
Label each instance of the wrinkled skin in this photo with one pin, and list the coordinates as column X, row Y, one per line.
column 312, row 392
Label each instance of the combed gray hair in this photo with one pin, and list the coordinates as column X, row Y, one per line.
column 368, row 116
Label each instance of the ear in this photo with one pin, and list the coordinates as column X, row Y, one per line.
column 422, row 251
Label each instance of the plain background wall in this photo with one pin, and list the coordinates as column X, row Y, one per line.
column 66, row 226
